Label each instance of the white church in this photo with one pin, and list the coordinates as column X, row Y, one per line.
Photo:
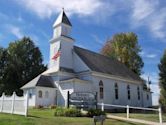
column 75, row 69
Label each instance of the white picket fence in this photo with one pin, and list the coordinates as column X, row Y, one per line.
column 127, row 107
column 14, row 104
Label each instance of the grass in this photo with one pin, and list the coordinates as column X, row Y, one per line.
column 46, row 117
column 148, row 117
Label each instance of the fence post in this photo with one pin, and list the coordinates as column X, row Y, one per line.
column 102, row 106
column 3, row 95
column 68, row 99
column 127, row 108
column 26, row 102
column 160, row 115
column 13, row 100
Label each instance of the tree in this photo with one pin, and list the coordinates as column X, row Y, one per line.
column 162, row 81
column 124, row 47
column 23, row 63
column 3, row 55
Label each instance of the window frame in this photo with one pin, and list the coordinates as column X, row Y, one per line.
column 116, row 91
column 46, row 94
column 128, row 92
column 138, row 93
column 40, row 94
column 101, row 90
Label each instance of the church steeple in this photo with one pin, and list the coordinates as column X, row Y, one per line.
column 62, row 25
column 62, row 18
column 61, row 41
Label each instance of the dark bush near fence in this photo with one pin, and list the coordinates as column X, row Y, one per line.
column 163, row 108
column 68, row 112
column 95, row 112
column 38, row 107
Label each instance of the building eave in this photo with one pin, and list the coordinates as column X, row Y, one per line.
column 116, row 77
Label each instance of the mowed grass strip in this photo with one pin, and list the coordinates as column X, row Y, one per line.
column 46, row 117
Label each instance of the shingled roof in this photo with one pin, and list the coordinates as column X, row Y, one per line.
column 99, row 63
column 41, row 80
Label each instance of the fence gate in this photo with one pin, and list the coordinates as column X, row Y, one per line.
column 14, row 104
column 83, row 100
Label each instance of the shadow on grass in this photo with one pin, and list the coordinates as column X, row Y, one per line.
column 32, row 116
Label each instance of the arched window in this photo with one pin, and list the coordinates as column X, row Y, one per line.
column 46, row 94
column 128, row 92
column 101, row 89
column 40, row 94
column 116, row 91
column 138, row 92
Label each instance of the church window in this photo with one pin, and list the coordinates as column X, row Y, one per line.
column 40, row 94
column 101, row 90
column 128, row 92
column 116, row 91
column 147, row 97
column 30, row 95
column 46, row 94
column 138, row 92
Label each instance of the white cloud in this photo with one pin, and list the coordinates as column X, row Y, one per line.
column 148, row 55
column 149, row 13
column 142, row 9
column 16, row 31
column 46, row 8
column 97, row 39
column 151, row 56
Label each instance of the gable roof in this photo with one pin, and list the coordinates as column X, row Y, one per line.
column 99, row 63
column 62, row 18
column 40, row 80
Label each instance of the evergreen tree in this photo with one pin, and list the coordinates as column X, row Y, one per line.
column 162, row 81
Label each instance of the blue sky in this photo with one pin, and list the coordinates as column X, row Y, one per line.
column 94, row 21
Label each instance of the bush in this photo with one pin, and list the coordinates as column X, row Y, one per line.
column 38, row 107
column 68, row 112
column 95, row 112
column 59, row 111
column 52, row 106
column 72, row 112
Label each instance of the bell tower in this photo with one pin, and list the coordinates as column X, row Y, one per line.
column 61, row 45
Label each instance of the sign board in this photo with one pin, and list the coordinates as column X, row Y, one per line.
column 85, row 96
column 82, row 99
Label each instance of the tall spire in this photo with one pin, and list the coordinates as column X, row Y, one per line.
column 62, row 18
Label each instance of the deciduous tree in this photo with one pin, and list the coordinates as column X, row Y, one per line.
column 23, row 62
column 124, row 47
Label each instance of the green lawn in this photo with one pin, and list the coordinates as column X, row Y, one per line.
column 45, row 117
column 149, row 117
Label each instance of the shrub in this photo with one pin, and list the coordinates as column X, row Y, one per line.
column 72, row 112
column 59, row 111
column 52, row 106
column 38, row 107
column 95, row 112
column 68, row 112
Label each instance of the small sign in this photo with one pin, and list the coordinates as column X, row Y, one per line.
column 82, row 99
column 85, row 96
